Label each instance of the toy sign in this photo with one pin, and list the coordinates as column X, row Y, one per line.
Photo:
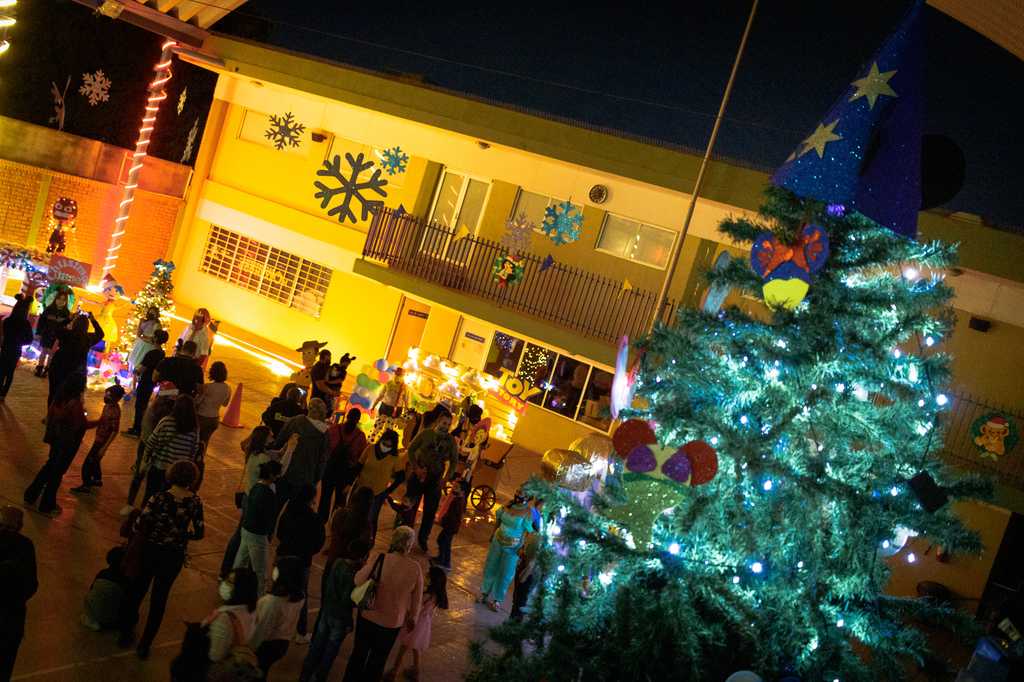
column 514, row 391
column 69, row 271
column 65, row 209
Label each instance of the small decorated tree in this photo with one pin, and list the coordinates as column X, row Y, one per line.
column 155, row 292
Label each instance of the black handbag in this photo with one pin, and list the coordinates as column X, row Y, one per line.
column 240, row 494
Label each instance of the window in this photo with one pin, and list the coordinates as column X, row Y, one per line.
column 255, row 125
column 569, row 387
column 533, row 205
column 281, row 276
column 636, row 241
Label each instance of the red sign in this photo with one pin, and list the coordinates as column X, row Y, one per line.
column 65, row 209
column 72, row 272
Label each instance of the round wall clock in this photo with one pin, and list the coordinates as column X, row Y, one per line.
column 598, row 193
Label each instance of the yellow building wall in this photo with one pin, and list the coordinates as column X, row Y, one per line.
column 540, row 430
column 988, row 363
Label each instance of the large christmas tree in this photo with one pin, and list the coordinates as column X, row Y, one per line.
column 156, row 291
column 821, row 416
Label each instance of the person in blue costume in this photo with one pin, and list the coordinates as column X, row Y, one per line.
column 514, row 521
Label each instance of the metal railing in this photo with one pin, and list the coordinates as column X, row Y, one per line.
column 561, row 295
column 960, row 450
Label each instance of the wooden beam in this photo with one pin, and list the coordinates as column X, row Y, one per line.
column 145, row 17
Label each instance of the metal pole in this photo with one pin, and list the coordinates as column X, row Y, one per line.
column 156, row 95
column 677, row 249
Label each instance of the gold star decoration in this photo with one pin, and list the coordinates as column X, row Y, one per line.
column 874, row 85
column 819, row 138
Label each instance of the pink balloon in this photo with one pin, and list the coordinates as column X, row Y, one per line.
column 383, row 377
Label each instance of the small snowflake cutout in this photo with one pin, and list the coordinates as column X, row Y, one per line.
column 518, row 233
column 181, row 100
column 96, row 87
column 350, row 187
column 393, row 161
column 562, row 227
column 284, row 131
column 187, row 154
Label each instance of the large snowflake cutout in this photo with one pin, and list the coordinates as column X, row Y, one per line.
column 187, row 154
column 562, row 227
column 350, row 187
column 393, row 160
column 96, row 87
column 284, row 131
column 518, row 233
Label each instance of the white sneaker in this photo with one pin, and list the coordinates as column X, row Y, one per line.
column 126, row 510
column 302, row 639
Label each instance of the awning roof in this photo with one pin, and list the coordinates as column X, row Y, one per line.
column 186, row 21
column 1001, row 21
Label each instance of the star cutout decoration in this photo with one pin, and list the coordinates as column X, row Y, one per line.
column 819, row 138
column 874, row 85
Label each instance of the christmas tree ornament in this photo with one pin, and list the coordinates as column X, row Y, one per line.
column 518, row 234
column 393, row 161
column 866, row 151
column 562, row 227
column 631, row 434
column 994, row 434
column 703, row 461
column 284, row 131
column 715, row 296
column 786, row 270
column 649, row 498
column 350, row 187
column 508, row 270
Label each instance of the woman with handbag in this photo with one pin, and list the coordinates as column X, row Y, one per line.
column 513, row 521
column 175, row 438
column 66, row 425
column 167, row 522
column 392, row 601
column 392, row 400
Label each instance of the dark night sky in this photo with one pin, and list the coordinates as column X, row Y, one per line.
column 661, row 71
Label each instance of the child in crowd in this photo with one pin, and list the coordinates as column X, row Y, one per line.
column 435, row 596
column 335, row 620
column 450, row 523
column 405, row 513
column 277, row 613
column 106, row 432
column 162, row 406
column 211, row 398
column 526, row 574
column 103, row 602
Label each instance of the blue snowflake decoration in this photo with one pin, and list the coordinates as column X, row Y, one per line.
column 284, row 131
column 518, row 234
column 350, row 187
column 562, row 227
column 393, row 160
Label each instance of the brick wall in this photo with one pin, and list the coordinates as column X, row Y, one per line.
column 147, row 236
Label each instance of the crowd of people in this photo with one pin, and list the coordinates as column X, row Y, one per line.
column 306, row 481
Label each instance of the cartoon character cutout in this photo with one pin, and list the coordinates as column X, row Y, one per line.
column 994, row 435
column 310, row 350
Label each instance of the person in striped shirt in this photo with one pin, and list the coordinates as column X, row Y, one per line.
column 176, row 438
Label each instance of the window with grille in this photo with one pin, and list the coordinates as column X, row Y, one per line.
column 265, row 270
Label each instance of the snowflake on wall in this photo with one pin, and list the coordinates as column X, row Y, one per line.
column 393, row 160
column 562, row 227
column 350, row 187
column 95, row 87
column 284, row 131
column 181, row 100
column 518, row 233
column 190, row 141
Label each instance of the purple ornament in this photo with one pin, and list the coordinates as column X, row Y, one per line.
column 677, row 467
column 641, row 459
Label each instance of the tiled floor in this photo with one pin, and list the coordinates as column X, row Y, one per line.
column 71, row 549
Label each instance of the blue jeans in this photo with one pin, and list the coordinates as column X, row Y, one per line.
column 255, row 548
column 328, row 634
column 444, row 548
column 378, row 502
column 431, row 496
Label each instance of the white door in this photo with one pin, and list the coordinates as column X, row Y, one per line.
column 459, row 201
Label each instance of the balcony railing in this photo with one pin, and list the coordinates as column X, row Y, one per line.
column 960, row 449
column 561, row 295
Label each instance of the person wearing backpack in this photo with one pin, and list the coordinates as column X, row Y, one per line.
column 231, row 626
column 434, row 457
